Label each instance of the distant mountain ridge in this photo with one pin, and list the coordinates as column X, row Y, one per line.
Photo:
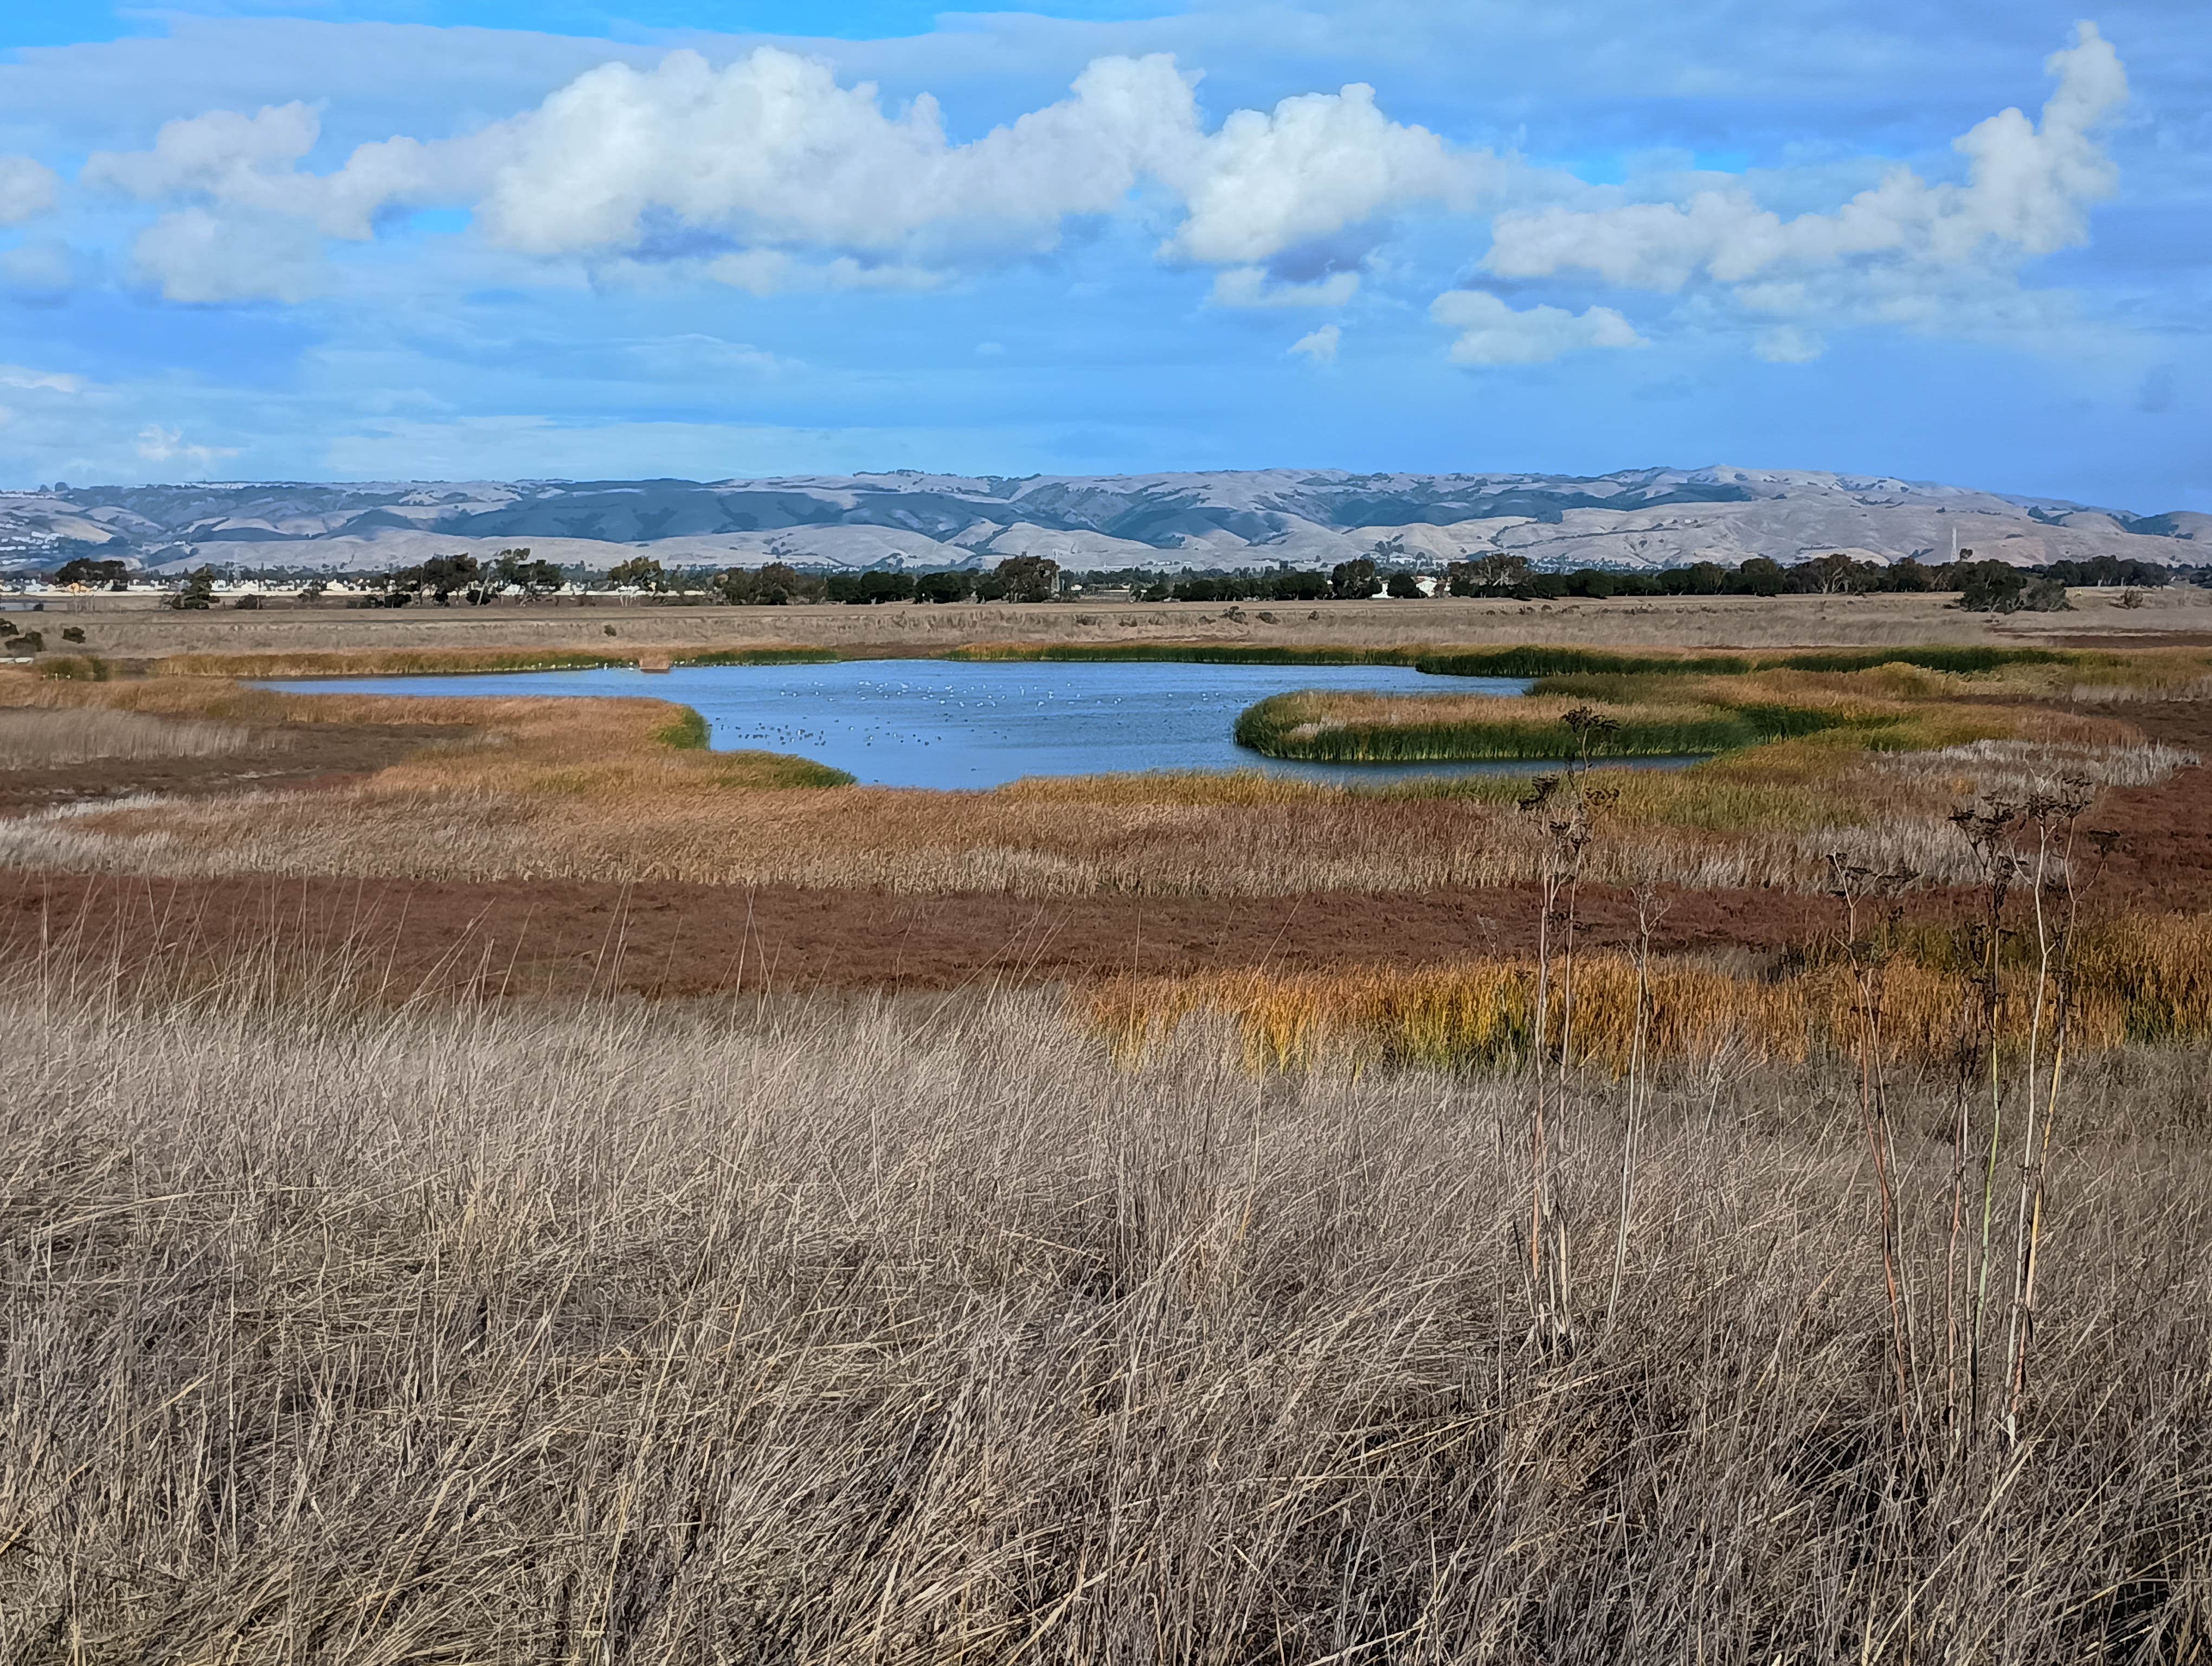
column 1632, row 519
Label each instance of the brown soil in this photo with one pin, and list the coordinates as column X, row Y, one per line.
column 567, row 939
column 313, row 753
column 2162, row 859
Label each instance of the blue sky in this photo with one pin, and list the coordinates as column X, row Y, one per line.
column 454, row 238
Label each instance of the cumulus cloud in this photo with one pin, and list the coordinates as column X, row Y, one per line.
column 1320, row 345
column 1316, row 163
column 1491, row 332
column 770, row 156
column 1249, row 286
column 2027, row 188
column 237, row 162
column 202, row 258
column 27, row 189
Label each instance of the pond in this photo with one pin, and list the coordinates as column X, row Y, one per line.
column 955, row 723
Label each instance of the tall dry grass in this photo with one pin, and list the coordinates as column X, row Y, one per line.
column 44, row 739
column 853, row 1333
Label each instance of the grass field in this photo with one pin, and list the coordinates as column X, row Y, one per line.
column 892, row 1331
column 34, row 739
column 1845, row 1296
column 128, row 627
column 1875, row 760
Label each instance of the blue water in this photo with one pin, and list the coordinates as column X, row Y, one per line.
column 952, row 723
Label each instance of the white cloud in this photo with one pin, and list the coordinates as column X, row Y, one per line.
column 1319, row 162
column 771, row 151
column 27, row 189
column 157, row 443
column 198, row 258
column 1248, row 286
column 2026, row 191
column 771, row 272
column 251, row 163
column 50, row 381
column 770, row 156
column 1491, row 332
column 1321, row 344
column 1786, row 344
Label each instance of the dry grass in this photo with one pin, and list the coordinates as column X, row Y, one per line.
column 2141, row 979
column 482, row 813
column 869, row 1334
column 591, row 789
column 44, row 739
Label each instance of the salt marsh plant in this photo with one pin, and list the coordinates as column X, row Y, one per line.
column 871, row 1331
column 45, row 739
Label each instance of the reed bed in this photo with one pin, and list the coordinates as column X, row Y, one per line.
column 2140, row 980
column 44, row 739
column 837, row 1333
column 1348, row 727
column 1586, row 715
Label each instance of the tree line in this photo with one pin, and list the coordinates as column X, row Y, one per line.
column 1981, row 584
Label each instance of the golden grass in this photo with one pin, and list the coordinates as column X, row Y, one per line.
column 2143, row 979
column 593, row 789
column 31, row 738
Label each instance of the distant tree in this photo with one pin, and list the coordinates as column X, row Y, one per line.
column 2044, row 595
column 441, row 578
column 1299, row 588
column 1758, row 577
column 1025, row 578
column 1833, row 574
column 779, row 582
column 954, row 586
column 638, row 573
column 92, row 575
column 1908, row 577
column 1488, row 575
column 1990, row 587
column 197, row 593
column 879, row 586
column 1403, row 585
column 1354, row 581
column 1700, row 578
column 1599, row 583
